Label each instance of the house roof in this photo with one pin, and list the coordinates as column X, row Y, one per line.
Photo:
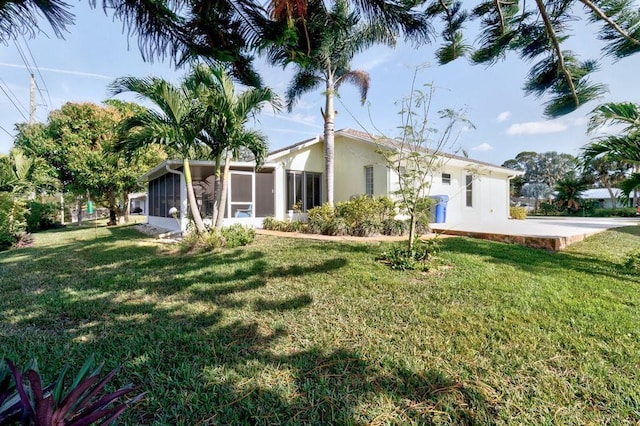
column 600, row 193
column 378, row 141
column 200, row 169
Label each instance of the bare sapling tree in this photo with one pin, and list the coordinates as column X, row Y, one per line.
column 420, row 151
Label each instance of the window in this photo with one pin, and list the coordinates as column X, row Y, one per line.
column 368, row 180
column 469, row 190
column 305, row 189
column 446, row 178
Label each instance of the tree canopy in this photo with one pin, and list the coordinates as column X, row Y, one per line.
column 232, row 31
column 76, row 146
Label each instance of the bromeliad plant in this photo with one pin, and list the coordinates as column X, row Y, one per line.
column 25, row 400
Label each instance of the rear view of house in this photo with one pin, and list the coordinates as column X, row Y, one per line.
column 293, row 176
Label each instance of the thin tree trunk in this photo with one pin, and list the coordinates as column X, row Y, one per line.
column 412, row 230
column 79, row 205
column 113, row 213
column 191, row 196
column 223, row 191
column 217, row 188
column 614, row 200
column 329, row 116
column 124, row 212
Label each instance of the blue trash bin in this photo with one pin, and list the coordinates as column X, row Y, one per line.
column 440, row 215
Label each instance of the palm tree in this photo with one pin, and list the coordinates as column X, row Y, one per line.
column 228, row 113
column 322, row 57
column 624, row 147
column 23, row 175
column 568, row 193
column 177, row 124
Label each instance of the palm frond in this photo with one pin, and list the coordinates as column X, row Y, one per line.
column 358, row 78
column 303, row 81
column 21, row 17
column 624, row 113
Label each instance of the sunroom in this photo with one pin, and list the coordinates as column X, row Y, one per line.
column 250, row 194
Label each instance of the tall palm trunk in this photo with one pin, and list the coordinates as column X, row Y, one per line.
column 329, row 116
column 191, row 196
column 223, row 191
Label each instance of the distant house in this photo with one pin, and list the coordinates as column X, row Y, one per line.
column 603, row 197
column 476, row 191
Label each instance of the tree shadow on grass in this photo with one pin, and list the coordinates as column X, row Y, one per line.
column 172, row 325
column 321, row 386
column 535, row 261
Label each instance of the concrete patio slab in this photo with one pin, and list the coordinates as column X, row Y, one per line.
column 550, row 233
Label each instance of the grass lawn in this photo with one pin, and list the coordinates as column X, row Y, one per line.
column 297, row 332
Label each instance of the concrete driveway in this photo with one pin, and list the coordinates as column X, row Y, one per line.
column 552, row 233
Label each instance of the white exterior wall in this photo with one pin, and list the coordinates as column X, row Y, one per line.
column 351, row 158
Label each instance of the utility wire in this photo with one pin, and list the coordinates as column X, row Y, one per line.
column 24, row 58
column 13, row 94
column 14, row 104
column 5, row 130
column 35, row 64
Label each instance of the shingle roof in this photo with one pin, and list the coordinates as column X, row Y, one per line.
column 371, row 138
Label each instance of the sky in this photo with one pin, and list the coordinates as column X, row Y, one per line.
column 95, row 51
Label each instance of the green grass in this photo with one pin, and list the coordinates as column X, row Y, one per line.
column 297, row 332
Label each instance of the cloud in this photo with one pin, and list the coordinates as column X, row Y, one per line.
column 503, row 116
column 482, row 147
column 61, row 71
column 375, row 62
column 304, row 119
column 538, row 127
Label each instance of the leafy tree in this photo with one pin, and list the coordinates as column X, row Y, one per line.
column 536, row 190
column 541, row 172
column 322, row 58
column 621, row 147
column 569, row 193
column 606, row 173
column 225, row 130
column 77, row 145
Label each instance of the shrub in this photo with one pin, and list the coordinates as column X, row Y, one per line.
column 41, row 216
column 12, row 220
column 617, row 212
column 364, row 208
column 210, row 240
column 25, row 399
column 519, row 213
column 549, row 209
column 633, row 261
column 273, row 224
column 337, row 227
column 238, row 235
column 399, row 257
column 394, row 227
column 318, row 218
column 367, row 228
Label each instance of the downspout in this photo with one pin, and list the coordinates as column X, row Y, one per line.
column 170, row 170
column 509, row 195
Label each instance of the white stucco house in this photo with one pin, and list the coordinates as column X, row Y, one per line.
column 476, row 191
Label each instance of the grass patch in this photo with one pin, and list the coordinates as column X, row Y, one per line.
column 291, row 331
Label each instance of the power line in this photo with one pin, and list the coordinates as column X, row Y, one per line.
column 6, row 131
column 14, row 95
column 24, row 59
column 39, row 73
column 14, row 104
